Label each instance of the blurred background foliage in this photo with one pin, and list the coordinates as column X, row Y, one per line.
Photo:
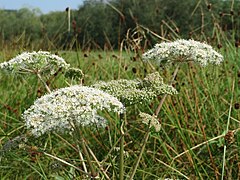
column 105, row 24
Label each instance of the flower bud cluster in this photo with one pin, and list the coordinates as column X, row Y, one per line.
column 64, row 107
column 152, row 121
column 183, row 51
column 74, row 73
column 34, row 62
column 130, row 92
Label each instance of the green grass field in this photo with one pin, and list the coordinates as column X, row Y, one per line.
column 199, row 126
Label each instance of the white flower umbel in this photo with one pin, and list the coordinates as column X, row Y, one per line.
column 66, row 106
column 35, row 62
column 183, row 51
column 136, row 91
column 152, row 121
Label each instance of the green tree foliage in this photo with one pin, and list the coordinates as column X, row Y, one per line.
column 54, row 23
column 97, row 23
column 16, row 23
column 104, row 24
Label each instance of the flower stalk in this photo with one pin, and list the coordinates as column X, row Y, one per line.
column 121, row 172
column 94, row 174
column 145, row 139
column 44, row 83
column 165, row 95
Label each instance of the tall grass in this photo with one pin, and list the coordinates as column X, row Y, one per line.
column 205, row 108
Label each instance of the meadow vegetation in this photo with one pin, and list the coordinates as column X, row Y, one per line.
column 192, row 134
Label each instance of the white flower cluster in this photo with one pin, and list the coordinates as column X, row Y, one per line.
column 71, row 105
column 152, row 121
column 130, row 92
column 183, row 51
column 35, row 62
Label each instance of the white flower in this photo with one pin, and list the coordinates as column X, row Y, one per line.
column 136, row 91
column 75, row 104
column 182, row 51
column 152, row 121
column 32, row 62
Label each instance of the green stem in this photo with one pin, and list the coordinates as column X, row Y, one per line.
column 148, row 132
column 98, row 163
column 44, row 83
column 64, row 162
column 141, row 153
column 228, row 122
column 81, row 158
column 93, row 172
column 121, row 172
column 84, row 149
column 165, row 95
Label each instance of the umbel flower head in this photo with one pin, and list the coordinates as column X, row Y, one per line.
column 130, row 92
column 183, row 51
column 66, row 106
column 34, row 62
column 152, row 121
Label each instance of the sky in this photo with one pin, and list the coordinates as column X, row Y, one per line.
column 45, row 6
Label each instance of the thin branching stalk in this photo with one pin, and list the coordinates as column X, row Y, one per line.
column 141, row 153
column 120, row 58
column 44, row 83
column 93, row 172
column 148, row 132
column 65, row 141
column 110, row 151
column 76, row 136
column 85, row 151
column 197, row 146
column 80, row 139
column 153, row 33
column 121, row 172
column 76, row 149
column 203, row 143
column 172, row 168
column 65, row 162
column 81, row 158
column 98, row 163
column 228, row 122
column 11, row 132
column 165, row 95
